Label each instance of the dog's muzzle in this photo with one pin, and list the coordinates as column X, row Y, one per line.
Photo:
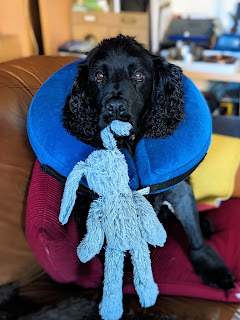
column 116, row 107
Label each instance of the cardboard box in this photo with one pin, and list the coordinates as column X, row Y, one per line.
column 105, row 25
column 9, row 47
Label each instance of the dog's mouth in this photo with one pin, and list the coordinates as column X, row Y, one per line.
column 105, row 120
column 122, row 140
column 131, row 136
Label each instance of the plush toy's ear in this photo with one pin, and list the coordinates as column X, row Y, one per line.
column 167, row 109
column 69, row 195
column 80, row 117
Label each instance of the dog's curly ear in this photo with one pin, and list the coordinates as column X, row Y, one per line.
column 80, row 117
column 167, row 109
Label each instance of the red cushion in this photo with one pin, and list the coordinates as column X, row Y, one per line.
column 55, row 246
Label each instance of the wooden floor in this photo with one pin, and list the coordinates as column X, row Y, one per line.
column 44, row 291
column 197, row 309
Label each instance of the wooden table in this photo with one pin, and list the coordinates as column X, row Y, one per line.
column 207, row 76
column 201, row 78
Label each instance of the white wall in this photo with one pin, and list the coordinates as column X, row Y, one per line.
column 220, row 9
column 193, row 6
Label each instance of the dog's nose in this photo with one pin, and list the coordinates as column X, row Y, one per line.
column 116, row 106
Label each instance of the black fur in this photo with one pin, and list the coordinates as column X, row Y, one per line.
column 106, row 88
column 155, row 106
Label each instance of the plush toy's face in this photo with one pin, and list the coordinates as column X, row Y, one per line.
column 107, row 172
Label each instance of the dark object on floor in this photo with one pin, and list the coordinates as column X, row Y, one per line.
column 13, row 306
column 82, row 309
column 7, row 292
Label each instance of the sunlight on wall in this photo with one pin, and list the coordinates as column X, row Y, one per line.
column 220, row 9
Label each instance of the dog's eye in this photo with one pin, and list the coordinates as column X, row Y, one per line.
column 99, row 77
column 138, row 76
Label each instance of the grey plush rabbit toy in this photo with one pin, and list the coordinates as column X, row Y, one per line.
column 124, row 217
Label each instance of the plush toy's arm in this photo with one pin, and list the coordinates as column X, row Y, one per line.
column 93, row 240
column 151, row 228
column 69, row 195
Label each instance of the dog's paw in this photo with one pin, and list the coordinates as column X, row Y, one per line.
column 211, row 268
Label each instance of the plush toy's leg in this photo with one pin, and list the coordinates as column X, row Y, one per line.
column 93, row 240
column 111, row 307
column 145, row 286
column 151, row 228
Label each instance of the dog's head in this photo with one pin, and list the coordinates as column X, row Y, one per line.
column 122, row 80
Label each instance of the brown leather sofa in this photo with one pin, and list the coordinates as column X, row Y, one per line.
column 19, row 81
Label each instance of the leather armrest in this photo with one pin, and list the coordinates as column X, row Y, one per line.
column 19, row 81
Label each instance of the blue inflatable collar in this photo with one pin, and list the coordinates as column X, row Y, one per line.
column 158, row 163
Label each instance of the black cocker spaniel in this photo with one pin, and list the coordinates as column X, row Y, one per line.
column 121, row 80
